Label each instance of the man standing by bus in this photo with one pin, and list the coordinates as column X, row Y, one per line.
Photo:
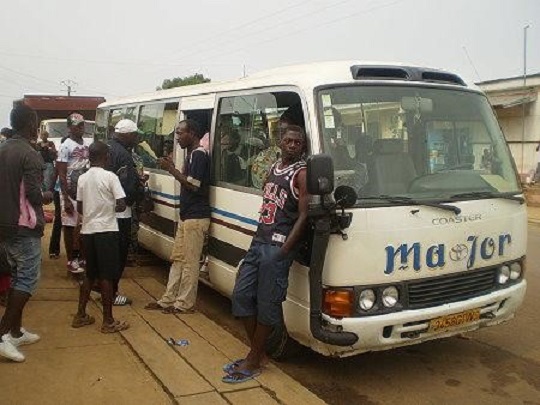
column 181, row 292
column 262, row 281
column 122, row 164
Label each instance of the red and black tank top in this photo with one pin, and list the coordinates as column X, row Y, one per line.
column 279, row 210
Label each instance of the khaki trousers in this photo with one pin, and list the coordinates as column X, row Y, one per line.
column 181, row 291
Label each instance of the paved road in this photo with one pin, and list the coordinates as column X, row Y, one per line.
column 500, row 365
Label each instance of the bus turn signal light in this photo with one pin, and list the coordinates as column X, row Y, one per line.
column 338, row 303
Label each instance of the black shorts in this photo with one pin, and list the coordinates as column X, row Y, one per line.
column 102, row 255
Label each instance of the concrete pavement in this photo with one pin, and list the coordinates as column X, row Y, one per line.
column 533, row 214
column 137, row 366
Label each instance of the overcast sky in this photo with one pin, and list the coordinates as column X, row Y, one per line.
column 122, row 47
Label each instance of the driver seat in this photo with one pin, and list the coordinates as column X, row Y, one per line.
column 393, row 169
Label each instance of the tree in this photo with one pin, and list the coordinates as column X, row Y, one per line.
column 197, row 78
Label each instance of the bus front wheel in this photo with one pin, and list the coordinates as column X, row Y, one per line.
column 280, row 346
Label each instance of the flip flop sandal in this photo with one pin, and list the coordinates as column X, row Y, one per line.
column 153, row 306
column 117, row 326
column 240, row 376
column 79, row 322
column 229, row 367
column 121, row 300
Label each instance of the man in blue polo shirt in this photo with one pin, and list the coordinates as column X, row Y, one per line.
column 181, row 292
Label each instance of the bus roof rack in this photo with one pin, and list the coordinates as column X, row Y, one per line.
column 382, row 72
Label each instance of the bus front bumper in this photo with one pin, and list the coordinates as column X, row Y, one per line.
column 415, row 326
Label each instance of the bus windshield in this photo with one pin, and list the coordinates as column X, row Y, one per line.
column 415, row 142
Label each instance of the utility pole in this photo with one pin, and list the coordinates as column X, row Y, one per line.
column 525, row 28
column 69, row 86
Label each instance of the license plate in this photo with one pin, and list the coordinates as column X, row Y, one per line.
column 451, row 321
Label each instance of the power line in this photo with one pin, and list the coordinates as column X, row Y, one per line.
column 219, row 44
column 290, row 33
column 104, row 62
column 239, row 27
column 28, row 75
column 472, row 64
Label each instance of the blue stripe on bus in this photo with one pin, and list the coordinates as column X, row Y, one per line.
column 216, row 210
column 235, row 216
column 169, row 196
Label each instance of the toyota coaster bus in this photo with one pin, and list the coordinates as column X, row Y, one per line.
column 418, row 224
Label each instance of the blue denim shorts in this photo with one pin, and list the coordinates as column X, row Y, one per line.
column 24, row 257
column 261, row 284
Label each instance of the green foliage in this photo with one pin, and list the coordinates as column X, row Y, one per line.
column 197, row 78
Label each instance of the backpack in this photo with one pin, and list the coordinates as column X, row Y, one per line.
column 146, row 204
column 73, row 179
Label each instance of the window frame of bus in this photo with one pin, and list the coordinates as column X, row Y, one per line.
column 216, row 157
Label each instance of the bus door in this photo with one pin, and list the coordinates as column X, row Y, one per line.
column 199, row 108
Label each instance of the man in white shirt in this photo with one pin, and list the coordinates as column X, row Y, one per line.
column 71, row 163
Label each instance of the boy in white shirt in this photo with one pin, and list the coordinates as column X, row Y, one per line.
column 99, row 197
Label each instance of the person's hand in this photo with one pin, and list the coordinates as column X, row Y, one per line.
column 68, row 205
column 166, row 163
column 282, row 254
column 47, row 197
column 120, row 205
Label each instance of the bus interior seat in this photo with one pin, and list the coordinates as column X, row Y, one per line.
column 392, row 169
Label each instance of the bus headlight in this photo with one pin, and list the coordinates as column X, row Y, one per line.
column 504, row 274
column 367, row 299
column 390, row 296
column 515, row 271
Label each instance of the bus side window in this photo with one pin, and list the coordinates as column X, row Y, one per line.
column 246, row 142
column 115, row 115
column 100, row 129
column 156, row 122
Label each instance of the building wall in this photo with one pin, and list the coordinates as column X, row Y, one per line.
column 522, row 144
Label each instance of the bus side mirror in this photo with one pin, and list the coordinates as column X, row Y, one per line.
column 320, row 174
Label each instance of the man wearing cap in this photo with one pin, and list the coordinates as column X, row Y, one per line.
column 71, row 163
column 121, row 162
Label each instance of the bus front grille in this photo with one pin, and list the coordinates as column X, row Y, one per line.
column 443, row 290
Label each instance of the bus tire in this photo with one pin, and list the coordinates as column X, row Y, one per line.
column 280, row 346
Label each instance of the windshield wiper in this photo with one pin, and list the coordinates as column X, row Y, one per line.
column 410, row 201
column 487, row 194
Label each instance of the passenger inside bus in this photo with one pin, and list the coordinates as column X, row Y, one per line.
column 233, row 165
column 267, row 157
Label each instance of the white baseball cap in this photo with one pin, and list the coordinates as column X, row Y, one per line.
column 126, row 126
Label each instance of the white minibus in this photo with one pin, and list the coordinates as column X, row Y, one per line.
column 425, row 234
column 57, row 129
